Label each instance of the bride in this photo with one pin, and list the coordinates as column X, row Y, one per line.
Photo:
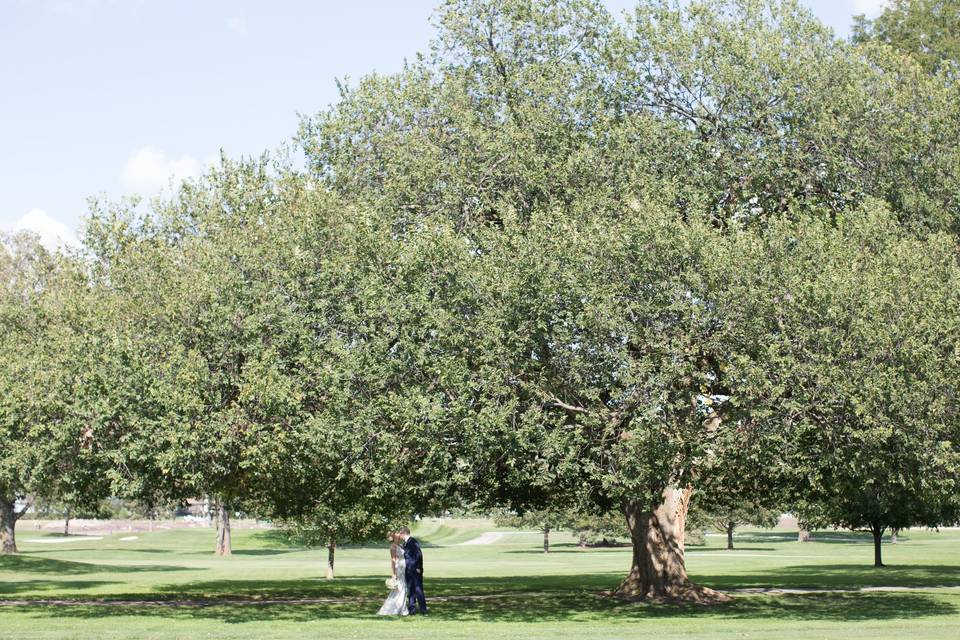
column 396, row 602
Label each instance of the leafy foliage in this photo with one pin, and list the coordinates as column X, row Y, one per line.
column 927, row 30
column 51, row 379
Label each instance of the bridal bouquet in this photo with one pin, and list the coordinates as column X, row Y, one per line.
column 391, row 583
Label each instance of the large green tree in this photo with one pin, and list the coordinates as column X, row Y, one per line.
column 772, row 111
column 270, row 329
column 51, row 377
column 220, row 351
column 856, row 356
column 536, row 142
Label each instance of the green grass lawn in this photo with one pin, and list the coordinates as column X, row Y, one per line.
column 527, row 594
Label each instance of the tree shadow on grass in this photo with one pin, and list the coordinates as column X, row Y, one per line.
column 235, row 552
column 181, row 552
column 800, row 576
column 373, row 586
column 29, row 563
column 723, row 550
column 838, row 607
column 825, row 537
column 838, row 576
column 10, row 588
column 584, row 607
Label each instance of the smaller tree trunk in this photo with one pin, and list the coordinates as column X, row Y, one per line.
column 730, row 527
column 331, row 554
column 8, row 526
column 893, row 534
column 224, row 547
column 546, row 538
column 877, row 539
column 803, row 535
column 66, row 522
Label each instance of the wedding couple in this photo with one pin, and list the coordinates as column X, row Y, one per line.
column 407, row 582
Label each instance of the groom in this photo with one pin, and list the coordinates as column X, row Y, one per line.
column 414, row 572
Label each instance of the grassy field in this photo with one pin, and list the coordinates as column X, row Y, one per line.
column 507, row 589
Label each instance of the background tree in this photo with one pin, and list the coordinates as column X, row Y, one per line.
column 927, row 30
column 66, row 508
column 220, row 356
column 599, row 531
column 859, row 355
column 541, row 520
column 770, row 111
column 727, row 519
column 532, row 120
column 351, row 519
column 272, row 330
column 50, row 377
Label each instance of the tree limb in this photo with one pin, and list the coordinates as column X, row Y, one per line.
column 19, row 514
column 556, row 402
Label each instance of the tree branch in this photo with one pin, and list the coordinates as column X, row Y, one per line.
column 556, row 402
column 19, row 514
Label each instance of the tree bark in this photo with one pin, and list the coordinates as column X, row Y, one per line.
column 658, row 571
column 224, row 547
column 66, row 522
column 8, row 526
column 730, row 527
column 803, row 535
column 331, row 553
column 877, row 538
column 893, row 534
column 546, row 538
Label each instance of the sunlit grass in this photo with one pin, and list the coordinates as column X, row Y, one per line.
column 522, row 593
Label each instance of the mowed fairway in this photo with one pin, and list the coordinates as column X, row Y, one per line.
column 505, row 589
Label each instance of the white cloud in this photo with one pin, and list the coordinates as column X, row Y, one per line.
column 238, row 25
column 149, row 170
column 52, row 232
column 871, row 8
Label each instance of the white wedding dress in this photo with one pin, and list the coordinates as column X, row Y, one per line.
column 396, row 602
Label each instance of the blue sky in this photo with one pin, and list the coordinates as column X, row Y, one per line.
column 116, row 97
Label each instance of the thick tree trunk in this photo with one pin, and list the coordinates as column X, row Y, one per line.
column 658, row 571
column 803, row 535
column 730, row 527
column 546, row 538
column 224, row 547
column 331, row 554
column 877, row 538
column 8, row 526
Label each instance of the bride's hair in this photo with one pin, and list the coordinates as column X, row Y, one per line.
column 394, row 546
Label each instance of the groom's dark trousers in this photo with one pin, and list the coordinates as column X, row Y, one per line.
column 414, row 576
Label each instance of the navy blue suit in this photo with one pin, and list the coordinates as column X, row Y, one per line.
column 413, row 575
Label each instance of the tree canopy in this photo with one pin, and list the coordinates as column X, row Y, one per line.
column 557, row 262
column 927, row 30
column 51, row 383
